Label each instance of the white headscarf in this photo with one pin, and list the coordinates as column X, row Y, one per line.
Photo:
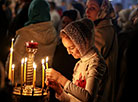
column 81, row 32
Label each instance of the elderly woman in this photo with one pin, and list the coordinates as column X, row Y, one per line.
column 90, row 71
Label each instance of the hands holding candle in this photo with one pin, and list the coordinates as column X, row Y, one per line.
column 54, row 79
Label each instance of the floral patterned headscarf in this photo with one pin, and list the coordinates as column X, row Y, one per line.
column 106, row 10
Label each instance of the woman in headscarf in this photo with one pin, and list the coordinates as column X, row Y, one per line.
column 40, row 29
column 90, row 71
column 102, row 13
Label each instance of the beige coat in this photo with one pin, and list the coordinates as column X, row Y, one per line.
column 107, row 44
column 45, row 34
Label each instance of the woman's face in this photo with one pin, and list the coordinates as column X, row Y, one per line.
column 71, row 48
column 92, row 9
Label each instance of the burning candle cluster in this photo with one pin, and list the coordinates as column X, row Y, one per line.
column 28, row 71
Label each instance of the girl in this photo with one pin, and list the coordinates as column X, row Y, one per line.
column 89, row 72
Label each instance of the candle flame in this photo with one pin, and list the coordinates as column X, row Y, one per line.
column 25, row 59
column 22, row 61
column 34, row 65
column 32, row 41
column 11, row 49
column 12, row 39
column 46, row 59
column 13, row 66
column 43, row 61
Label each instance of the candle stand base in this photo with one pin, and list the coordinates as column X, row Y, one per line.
column 28, row 90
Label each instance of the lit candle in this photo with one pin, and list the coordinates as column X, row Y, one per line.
column 25, row 62
column 34, row 76
column 12, row 43
column 10, row 62
column 13, row 66
column 43, row 68
column 47, row 62
column 22, row 62
column 47, row 68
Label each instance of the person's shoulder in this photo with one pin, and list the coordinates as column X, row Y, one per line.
column 23, row 30
column 97, row 59
column 104, row 24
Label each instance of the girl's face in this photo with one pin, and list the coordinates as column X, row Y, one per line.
column 71, row 48
column 92, row 9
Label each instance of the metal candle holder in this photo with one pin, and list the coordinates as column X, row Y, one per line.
column 27, row 89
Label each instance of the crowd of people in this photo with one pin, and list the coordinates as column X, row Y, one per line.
column 101, row 38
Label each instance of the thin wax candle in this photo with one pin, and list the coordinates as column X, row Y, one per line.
column 25, row 62
column 34, row 76
column 43, row 68
column 10, row 61
column 22, row 63
column 13, row 66
column 47, row 62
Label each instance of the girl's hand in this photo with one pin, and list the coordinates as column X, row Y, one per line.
column 52, row 74
column 54, row 85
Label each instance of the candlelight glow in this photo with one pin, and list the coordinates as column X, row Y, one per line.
column 12, row 39
column 46, row 59
column 32, row 41
column 22, row 61
column 25, row 59
column 13, row 66
column 11, row 49
column 43, row 61
column 34, row 65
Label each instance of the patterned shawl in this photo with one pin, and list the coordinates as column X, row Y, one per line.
column 106, row 10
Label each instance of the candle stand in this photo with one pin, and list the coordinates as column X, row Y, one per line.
column 27, row 88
